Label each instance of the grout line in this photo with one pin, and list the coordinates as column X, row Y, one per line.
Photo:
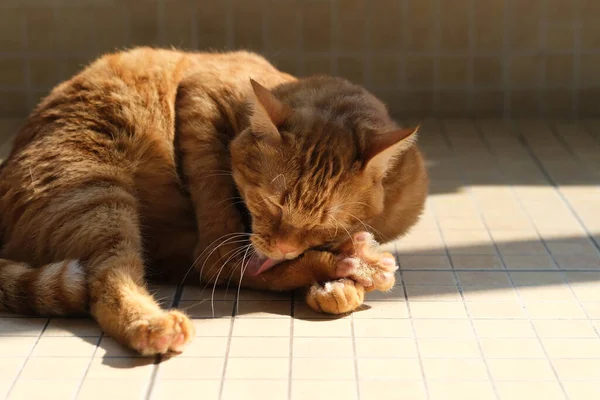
column 355, row 357
column 514, row 287
column 291, row 355
column 158, row 359
column 228, row 348
column 12, row 386
column 529, row 150
column 443, row 136
column 87, row 369
column 412, row 325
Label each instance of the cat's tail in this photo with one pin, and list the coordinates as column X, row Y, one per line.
column 54, row 289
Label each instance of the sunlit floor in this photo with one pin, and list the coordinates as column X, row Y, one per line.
column 499, row 298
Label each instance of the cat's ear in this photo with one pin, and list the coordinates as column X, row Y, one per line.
column 268, row 112
column 381, row 148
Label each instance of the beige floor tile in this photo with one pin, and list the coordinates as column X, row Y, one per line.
column 207, row 308
column 572, row 348
column 554, row 310
column 448, row 348
column 520, row 369
column 385, row 347
column 546, row 293
column 489, row 262
column 586, row 285
column 478, row 294
column 258, row 347
column 206, row 347
column 382, row 309
column 46, row 368
column 455, row 223
column 428, row 278
column 121, row 368
column 450, row 390
column 483, row 278
column 395, row 294
column 190, row 368
column 592, row 309
column 109, row 347
column 432, row 293
column 324, row 390
column 375, row 328
column 529, row 390
column 518, row 242
column 496, row 310
column 425, row 262
column 213, row 326
column 576, row 261
column 511, row 348
column 5, row 386
column 538, row 278
column 10, row 366
column 443, row 328
column 537, row 261
column 564, row 329
column 582, row 390
column 16, row 345
column 262, row 327
column 248, row 294
column 392, row 390
column 503, row 328
column 323, row 368
column 577, row 369
column 255, row 390
column 257, row 368
column 25, row 389
column 318, row 327
column 101, row 389
column 21, row 326
column 462, row 369
column 72, row 327
column 182, row 389
column 197, row 293
column 579, row 246
column 323, row 347
column 389, row 368
column 264, row 309
column 65, row 346
column 432, row 309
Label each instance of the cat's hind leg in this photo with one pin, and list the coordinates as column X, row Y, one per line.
column 96, row 226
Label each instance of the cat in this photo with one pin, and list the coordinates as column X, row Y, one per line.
column 216, row 166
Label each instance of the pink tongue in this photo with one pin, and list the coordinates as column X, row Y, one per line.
column 259, row 265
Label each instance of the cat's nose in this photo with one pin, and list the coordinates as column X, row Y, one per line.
column 286, row 249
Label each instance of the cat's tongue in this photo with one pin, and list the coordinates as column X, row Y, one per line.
column 258, row 265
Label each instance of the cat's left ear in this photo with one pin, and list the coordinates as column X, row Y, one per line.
column 381, row 148
column 268, row 112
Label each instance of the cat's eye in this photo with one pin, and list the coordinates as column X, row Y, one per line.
column 275, row 208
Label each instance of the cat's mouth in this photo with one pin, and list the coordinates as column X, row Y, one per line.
column 259, row 264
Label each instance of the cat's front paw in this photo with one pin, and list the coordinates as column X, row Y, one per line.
column 168, row 331
column 361, row 260
column 335, row 297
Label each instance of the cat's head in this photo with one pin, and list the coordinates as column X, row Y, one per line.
column 310, row 166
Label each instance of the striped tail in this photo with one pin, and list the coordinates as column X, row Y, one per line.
column 54, row 289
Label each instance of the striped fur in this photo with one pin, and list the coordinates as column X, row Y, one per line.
column 54, row 289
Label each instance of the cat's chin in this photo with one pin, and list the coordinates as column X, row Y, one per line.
column 259, row 264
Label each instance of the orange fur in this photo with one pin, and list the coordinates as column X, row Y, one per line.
column 134, row 167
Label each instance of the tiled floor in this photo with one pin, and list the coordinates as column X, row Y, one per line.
column 499, row 299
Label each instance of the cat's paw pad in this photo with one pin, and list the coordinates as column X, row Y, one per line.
column 166, row 332
column 362, row 261
column 335, row 297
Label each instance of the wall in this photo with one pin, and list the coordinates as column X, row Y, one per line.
column 424, row 57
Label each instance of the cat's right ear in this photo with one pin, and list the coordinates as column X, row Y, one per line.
column 267, row 113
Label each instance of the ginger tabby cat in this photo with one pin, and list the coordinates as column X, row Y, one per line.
column 157, row 162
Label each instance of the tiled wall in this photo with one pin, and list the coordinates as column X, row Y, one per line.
column 424, row 57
